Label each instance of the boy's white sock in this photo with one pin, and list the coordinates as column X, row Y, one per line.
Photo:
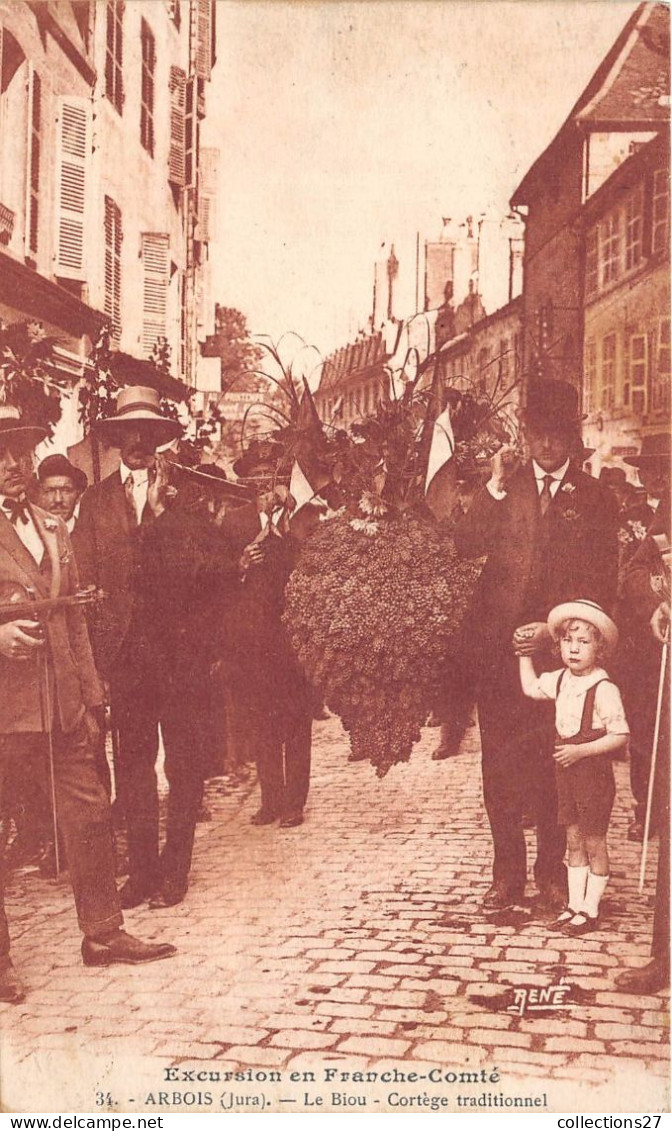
column 577, row 879
column 594, row 892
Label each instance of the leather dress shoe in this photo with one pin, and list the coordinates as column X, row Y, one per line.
column 123, row 948
column 291, row 820
column 646, row 980
column 264, row 817
column 169, row 894
column 500, row 896
column 12, row 988
column 551, row 897
column 132, row 894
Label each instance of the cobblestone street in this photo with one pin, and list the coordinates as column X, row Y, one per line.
column 355, row 942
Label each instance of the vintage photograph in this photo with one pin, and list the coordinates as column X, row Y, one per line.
column 334, row 557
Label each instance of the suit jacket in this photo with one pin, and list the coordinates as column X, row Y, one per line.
column 106, row 545
column 535, row 562
column 254, row 646
column 73, row 683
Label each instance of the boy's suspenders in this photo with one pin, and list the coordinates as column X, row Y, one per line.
column 586, row 732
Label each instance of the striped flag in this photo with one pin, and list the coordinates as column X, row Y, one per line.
column 442, row 446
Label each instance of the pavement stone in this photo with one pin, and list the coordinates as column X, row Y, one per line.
column 356, row 939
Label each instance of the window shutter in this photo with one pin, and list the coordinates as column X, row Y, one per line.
column 113, row 238
column 178, row 106
column 203, row 38
column 73, row 134
column 156, row 268
column 207, row 192
column 33, row 161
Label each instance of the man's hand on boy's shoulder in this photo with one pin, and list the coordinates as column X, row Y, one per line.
column 531, row 638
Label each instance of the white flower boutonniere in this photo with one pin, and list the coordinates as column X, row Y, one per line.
column 568, row 488
column 51, row 524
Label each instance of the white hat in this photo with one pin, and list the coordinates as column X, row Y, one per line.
column 139, row 403
column 589, row 611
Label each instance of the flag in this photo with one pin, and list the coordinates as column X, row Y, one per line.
column 442, row 446
column 299, row 487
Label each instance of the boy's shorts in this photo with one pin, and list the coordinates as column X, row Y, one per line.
column 586, row 794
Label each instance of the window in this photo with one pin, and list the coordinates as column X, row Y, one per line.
column 113, row 237
column 72, row 183
column 190, row 135
column 114, row 87
column 591, row 262
column 610, row 241
column 147, row 88
column 204, row 23
column 504, row 361
column 33, row 156
column 176, row 156
column 636, row 384
column 660, row 379
column 661, row 211
column 155, row 259
column 590, row 376
column 633, row 229
column 608, row 371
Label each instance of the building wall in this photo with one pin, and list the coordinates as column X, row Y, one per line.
column 488, row 361
column 552, row 266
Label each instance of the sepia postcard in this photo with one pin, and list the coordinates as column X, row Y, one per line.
column 334, row 557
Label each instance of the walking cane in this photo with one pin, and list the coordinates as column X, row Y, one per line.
column 652, row 771
column 45, row 703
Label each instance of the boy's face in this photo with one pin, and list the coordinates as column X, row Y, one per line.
column 579, row 647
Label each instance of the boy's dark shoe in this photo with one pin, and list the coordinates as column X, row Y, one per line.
column 647, row 979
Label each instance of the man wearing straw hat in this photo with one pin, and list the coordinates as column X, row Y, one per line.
column 106, row 543
column 48, row 688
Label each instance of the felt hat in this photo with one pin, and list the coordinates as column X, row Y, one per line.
column 60, row 465
column 589, row 611
column 655, row 449
column 214, row 479
column 613, row 477
column 13, row 425
column 262, row 450
column 139, row 405
column 551, row 404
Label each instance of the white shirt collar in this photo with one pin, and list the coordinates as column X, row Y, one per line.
column 559, row 474
column 140, row 475
column 580, row 684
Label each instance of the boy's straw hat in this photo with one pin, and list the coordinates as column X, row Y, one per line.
column 589, row 611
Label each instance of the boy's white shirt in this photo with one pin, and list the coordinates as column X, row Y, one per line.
column 608, row 713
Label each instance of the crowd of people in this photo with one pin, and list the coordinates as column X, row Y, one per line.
column 189, row 567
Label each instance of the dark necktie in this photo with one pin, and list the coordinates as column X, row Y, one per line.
column 546, row 496
column 16, row 510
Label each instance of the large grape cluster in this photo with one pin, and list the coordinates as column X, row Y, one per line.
column 371, row 617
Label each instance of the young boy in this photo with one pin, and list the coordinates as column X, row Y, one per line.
column 591, row 729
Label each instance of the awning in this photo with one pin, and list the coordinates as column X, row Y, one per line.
column 129, row 370
column 34, row 296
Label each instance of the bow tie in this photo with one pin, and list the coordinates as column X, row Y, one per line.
column 16, row 509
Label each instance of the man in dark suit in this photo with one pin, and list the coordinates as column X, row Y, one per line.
column 184, row 580
column 271, row 703
column 48, row 689
column 549, row 534
column 60, row 486
column 106, row 544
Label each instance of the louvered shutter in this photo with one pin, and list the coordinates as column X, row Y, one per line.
column 207, row 192
column 178, row 105
column 73, row 144
column 203, row 38
column 156, row 268
column 113, row 238
column 33, row 159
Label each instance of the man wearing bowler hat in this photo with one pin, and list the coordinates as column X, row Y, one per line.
column 48, row 689
column 107, row 547
column 548, row 531
column 60, row 487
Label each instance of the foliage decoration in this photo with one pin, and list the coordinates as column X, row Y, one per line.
column 28, row 379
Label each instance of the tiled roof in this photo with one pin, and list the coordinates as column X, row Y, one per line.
column 637, row 88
